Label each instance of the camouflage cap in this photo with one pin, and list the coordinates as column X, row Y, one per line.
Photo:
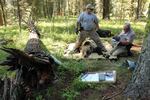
column 127, row 23
column 89, row 6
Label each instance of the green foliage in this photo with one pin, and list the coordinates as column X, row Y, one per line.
column 69, row 94
column 74, row 66
column 39, row 97
column 78, row 85
column 49, row 91
column 2, row 71
column 147, row 28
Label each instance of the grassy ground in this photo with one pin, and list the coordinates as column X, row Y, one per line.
column 56, row 34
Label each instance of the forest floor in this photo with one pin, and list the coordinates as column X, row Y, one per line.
column 56, row 34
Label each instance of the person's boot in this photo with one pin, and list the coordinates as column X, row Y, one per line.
column 111, row 57
column 130, row 53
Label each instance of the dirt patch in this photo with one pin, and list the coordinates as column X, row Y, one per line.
column 102, row 94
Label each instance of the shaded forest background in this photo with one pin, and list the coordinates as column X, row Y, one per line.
column 15, row 10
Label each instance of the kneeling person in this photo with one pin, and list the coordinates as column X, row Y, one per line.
column 123, row 42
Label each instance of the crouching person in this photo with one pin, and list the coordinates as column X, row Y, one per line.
column 123, row 42
column 87, row 24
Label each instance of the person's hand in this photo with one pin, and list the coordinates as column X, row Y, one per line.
column 123, row 43
column 117, row 38
column 76, row 30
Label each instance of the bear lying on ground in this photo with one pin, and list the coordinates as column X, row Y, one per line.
column 88, row 47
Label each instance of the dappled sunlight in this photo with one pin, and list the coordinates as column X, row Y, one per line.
column 54, row 46
column 63, row 23
column 21, row 40
column 61, row 33
column 57, row 35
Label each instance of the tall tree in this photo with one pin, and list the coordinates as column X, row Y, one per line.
column 3, row 12
column 132, row 8
column 1, row 19
column 139, row 87
column 147, row 28
column 106, row 9
column 138, row 9
column 98, row 6
column 81, row 5
column 19, row 14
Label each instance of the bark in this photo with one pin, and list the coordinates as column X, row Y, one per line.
column 19, row 15
column 98, row 6
column 3, row 12
column 50, row 9
column 138, row 9
column 1, row 19
column 139, row 87
column 81, row 6
column 132, row 8
column 44, row 8
column 6, row 89
column 106, row 9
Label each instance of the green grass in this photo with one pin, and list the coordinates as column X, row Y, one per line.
column 56, row 34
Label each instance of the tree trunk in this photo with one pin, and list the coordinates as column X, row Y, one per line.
column 132, row 9
column 1, row 19
column 98, row 7
column 106, row 9
column 44, row 8
column 139, row 87
column 19, row 15
column 81, row 6
column 147, row 27
column 3, row 12
column 138, row 9
column 50, row 6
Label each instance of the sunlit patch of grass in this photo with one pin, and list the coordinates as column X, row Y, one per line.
column 75, row 66
column 116, row 26
column 71, row 38
column 21, row 40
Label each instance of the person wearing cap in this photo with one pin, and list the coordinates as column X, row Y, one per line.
column 123, row 42
column 87, row 24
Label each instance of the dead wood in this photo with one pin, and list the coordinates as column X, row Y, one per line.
column 34, row 68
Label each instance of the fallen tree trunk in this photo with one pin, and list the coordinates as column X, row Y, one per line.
column 34, row 68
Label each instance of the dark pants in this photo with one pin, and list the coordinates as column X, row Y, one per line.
column 128, row 49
